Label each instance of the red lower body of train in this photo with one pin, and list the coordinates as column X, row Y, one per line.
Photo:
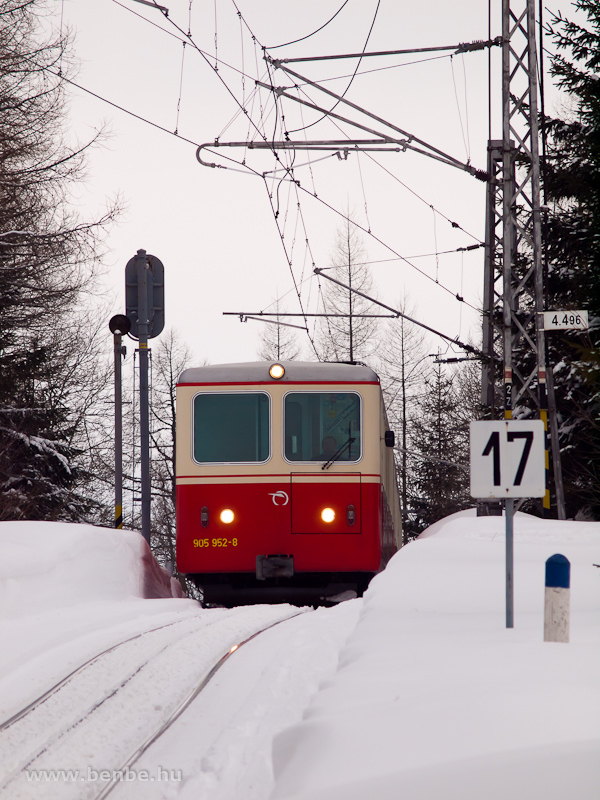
column 278, row 547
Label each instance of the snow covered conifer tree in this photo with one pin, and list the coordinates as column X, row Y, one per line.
column 439, row 440
column 47, row 258
column 571, row 180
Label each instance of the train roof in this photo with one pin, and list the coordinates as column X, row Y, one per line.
column 295, row 372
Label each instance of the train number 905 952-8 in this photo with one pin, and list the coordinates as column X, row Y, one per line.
column 215, row 542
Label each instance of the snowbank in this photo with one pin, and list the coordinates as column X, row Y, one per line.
column 66, row 592
column 435, row 698
column 51, row 564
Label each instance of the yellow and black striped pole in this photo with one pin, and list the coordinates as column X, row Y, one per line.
column 544, row 417
column 119, row 325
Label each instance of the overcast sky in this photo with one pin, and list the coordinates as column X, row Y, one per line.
column 215, row 229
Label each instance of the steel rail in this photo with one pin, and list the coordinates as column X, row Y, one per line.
column 139, row 751
column 81, row 715
column 63, row 681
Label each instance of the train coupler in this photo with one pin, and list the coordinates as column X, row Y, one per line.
column 278, row 566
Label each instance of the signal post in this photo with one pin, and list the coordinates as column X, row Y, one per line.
column 145, row 302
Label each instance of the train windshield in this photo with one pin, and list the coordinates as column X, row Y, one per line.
column 322, row 426
column 231, row 427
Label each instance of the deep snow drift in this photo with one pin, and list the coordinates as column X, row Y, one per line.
column 66, row 593
column 434, row 698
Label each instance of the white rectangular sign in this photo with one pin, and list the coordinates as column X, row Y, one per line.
column 565, row 320
column 508, row 459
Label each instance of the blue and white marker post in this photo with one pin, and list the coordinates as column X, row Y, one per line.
column 557, row 600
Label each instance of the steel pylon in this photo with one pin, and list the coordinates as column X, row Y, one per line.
column 513, row 328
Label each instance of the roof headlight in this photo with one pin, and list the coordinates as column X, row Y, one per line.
column 276, row 371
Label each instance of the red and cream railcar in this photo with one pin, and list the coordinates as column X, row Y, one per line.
column 286, row 484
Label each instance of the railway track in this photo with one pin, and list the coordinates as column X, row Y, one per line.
column 30, row 707
column 97, row 720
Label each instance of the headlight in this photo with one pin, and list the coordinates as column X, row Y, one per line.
column 276, row 371
column 328, row 515
column 227, row 516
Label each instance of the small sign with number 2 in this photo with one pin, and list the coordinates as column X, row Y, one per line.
column 507, row 459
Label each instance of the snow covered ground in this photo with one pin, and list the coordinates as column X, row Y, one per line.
column 67, row 592
column 417, row 692
column 434, row 698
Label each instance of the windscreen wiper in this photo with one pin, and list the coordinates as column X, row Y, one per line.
column 342, row 449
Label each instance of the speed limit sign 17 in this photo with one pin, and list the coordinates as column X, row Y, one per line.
column 507, row 459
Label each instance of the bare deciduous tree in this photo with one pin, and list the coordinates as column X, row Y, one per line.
column 345, row 335
column 402, row 366
column 278, row 341
column 169, row 358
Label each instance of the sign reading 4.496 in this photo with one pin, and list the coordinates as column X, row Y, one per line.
column 565, row 320
column 507, row 459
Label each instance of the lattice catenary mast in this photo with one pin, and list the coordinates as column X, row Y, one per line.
column 514, row 241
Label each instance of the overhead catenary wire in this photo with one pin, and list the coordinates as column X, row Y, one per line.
column 328, row 113
column 289, row 255
column 207, row 58
column 422, row 457
column 362, row 228
column 180, row 89
column 469, row 348
column 466, row 106
column 184, row 37
column 123, row 109
column 457, row 296
column 385, row 69
column 437, row 259
column 421, row 199
column 243, row 62
column 242, row 108
column 288, row 169
column 308, row 35
column 139, row 117
column 460, row 119
column 216, row 38
column 403, row 258
column 403, row 184
column 189, row 141
column 312, row 342
column 187, row 36
column 362, row 184
column 308, row 82
column 466, row 249
column 190, row 16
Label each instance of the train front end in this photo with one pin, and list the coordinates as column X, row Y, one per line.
column 279, row 481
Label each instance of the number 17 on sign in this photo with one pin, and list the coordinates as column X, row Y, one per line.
column 508, row 460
